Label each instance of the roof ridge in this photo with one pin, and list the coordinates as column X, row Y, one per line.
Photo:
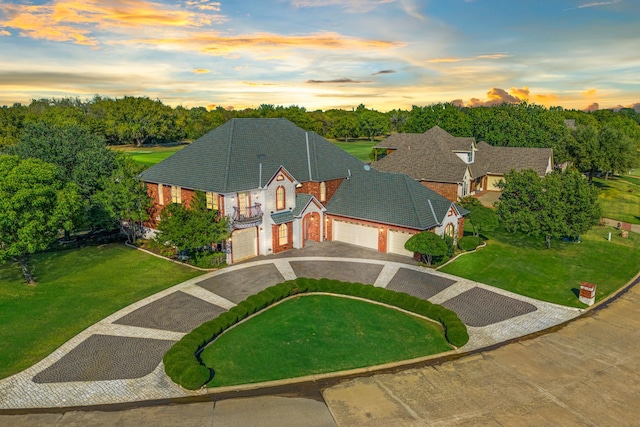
column 433, row 212
column 315, row 153
column 228, row 162
column 413, row 200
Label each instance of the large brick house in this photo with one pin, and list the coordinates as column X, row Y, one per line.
column 456, row 167
column 281, row 187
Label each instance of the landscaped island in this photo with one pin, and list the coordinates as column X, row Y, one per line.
column 361, row 334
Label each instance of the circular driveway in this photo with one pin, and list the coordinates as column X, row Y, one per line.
column 118, row 360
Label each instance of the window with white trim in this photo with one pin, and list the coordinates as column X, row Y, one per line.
column 283, row 234
column 160, row 194
column 323, row 192
column 176, row 196
column 280, row 198
column 212, row 200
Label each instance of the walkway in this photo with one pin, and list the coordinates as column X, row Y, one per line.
column 622, row 225
column 119, row 359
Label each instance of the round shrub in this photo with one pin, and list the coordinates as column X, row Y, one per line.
column 194, row 376
column 469, row 243
column 457, row 334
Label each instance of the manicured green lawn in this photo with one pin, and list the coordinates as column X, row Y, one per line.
column 359, row 149
column 76, row 288
column 149, row 156
column 317, row 334
column 620, row 197
column 521, row 264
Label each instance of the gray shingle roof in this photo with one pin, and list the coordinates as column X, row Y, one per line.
column 229, row 158
column 389, row 198
column 430, row 157
column 500, row 160
column 427, row 156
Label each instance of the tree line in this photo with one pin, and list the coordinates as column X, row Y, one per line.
column 140, row 120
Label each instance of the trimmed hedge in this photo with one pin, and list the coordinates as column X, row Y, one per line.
column 469, row 243
column 183, row 364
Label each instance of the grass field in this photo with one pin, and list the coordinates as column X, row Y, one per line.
column 317, row 334
column 620, row 197
column 149, row 156
column 359, row 149
column 76, row 288
column 521, row 264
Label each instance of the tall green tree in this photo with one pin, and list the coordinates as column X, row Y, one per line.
column 122, row 199
column 604, row 149
column 133, row 120
column 481, row 217
column 428, row 245
column 562, row 204
column 81, row 157
column 447, row 116
column 192, row 227
column 371, row 122
column 35, row 206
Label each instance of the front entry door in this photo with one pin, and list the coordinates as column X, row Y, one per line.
column 312, row 227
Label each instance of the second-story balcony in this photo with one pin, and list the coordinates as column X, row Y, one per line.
column 251, row 216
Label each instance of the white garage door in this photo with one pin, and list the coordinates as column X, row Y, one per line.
column 396, row 241
column 356, row 234
column 244, row 244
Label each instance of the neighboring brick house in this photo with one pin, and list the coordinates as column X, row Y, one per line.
column 281, row 186
column 456, row 167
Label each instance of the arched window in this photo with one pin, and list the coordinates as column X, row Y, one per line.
column 450, row 230
column 283, row 234
column 280, row 198
column 323, row 192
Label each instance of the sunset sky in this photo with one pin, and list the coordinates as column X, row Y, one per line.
column 323, row 54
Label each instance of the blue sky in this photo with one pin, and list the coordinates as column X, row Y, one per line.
column 323, row 54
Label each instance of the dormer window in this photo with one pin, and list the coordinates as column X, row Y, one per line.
column 280, row 198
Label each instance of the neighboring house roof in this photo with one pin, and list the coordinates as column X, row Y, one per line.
column 430, row 156
column 244, row 154
column 426, row 156
column 390, row 198
column 501, row 160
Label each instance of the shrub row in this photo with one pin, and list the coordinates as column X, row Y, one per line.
column 469, row 243
column 183, row 364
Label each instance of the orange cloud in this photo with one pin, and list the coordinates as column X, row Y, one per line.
column 215, row 44
column 546, row 98
column 497, row 96
column 201, row 71
column 590, row 93
column 76, row 20
column 593, row 107
column 4, row 33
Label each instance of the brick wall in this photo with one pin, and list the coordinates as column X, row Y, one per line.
column 313, row 188
column 445, row 189
column 154, row 212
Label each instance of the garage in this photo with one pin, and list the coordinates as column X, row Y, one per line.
column 244, row 244
column 356, row 234
column 396, row 241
